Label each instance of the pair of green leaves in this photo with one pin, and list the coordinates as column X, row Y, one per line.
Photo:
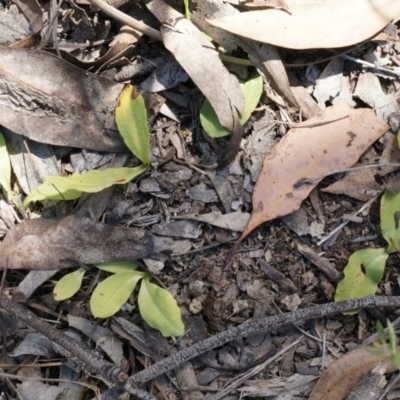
column 131, row 119
column 252, row 90
column 365, row 268
column 156, row 305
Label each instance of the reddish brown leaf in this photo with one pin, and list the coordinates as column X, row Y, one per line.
column 334, row 139
column 342, row 375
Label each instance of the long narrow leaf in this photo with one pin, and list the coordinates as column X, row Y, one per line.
column 95, row 181
column 72, row 187
column 47, row 191
column 131, row 119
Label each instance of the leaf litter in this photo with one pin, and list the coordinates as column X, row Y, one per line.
column 234, row 187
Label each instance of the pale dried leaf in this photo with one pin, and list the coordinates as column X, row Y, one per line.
column 359, row 184
column 59, row 243
column 332, row 140
column 65, row 106
column 315, row 24
column 343, row 374
column 202, row 63
column 263, row 4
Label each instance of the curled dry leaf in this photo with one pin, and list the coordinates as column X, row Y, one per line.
column 65, row 107
column 332, row 140
column 343, row 374
column 313, row 24
column 58, row 243
column 202, row 63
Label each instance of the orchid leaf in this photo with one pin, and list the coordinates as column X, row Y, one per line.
column 160, row 310
column 252, row 90
column 362, row 274
column 131, row 119
column 68, row 285
column 111, row 294
column 390, row 218
column 118, row 266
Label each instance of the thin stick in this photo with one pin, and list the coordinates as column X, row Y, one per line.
column 126, row 19
column 257, row 325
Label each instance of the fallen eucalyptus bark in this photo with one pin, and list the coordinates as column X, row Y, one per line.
column 48, row 244
column 64, row 107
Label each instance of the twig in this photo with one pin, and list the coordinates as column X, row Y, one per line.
column 247, row 375
column 263, row 324
column 370, row 65
column 96, row 364
column 126, row 19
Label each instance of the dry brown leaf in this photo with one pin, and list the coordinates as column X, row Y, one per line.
column 359, row 184
column 64, row 106
column 59, row 243
column 332, row 140
column 203, row 65
column 314, row 24
column 343, row 374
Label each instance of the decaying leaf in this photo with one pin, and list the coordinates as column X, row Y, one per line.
column 131, row 118
column 159, row 309
column 343, row 374
column 200, row 60
column 332, row 140
column 362, row 274
column 313, row 24
column 65, row 107
column 59, row 243
column 360, row 184
column 390, row 215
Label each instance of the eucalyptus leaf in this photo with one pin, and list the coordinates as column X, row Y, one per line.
column 111, row 294
column 118, row 266
column 390, row 218
column 362, row 274
column 131, row 119
column 159, row 309
column 252, row 90
column 68, row 285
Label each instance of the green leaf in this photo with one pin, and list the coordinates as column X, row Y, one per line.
column 47, row 191
column 252, row 90
column 381, row 332
column 95, row 181
column 111, row 294
column 362, row 274
column 390, row 218
column 68, row 285
column 5, row 171
column 71, row 187
column 131, row 119
column 159, row 309
column 118, row 266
